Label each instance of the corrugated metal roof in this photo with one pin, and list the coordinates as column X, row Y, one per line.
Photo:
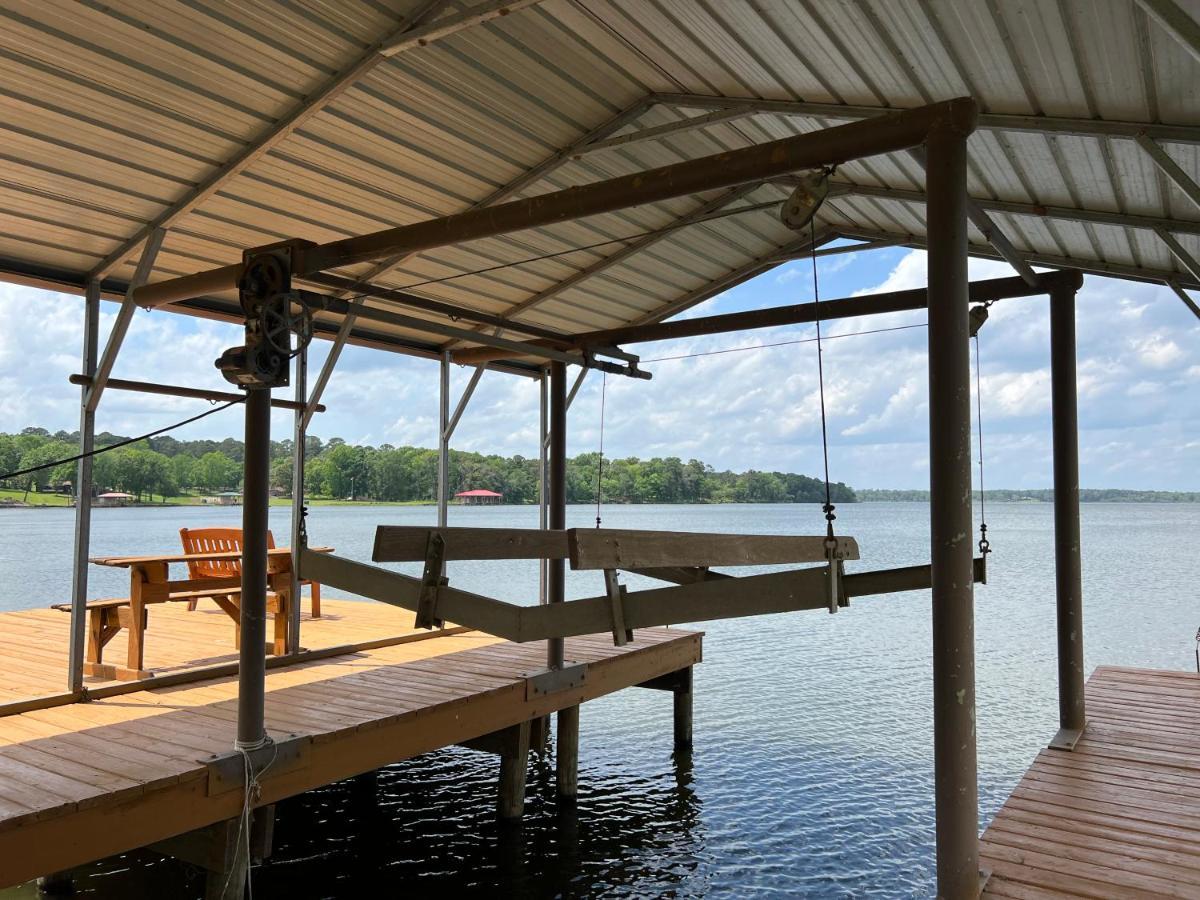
column 240, row 125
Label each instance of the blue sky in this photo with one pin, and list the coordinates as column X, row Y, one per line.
column 755, row 408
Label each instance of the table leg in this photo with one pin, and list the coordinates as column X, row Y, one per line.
column 139, row 577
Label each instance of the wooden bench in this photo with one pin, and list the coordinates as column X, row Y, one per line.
column 107, row 617
column 217, row 540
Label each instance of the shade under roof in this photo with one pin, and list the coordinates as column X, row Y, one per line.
column 236, row 125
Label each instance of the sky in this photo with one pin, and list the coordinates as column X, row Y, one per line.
column 741, row 404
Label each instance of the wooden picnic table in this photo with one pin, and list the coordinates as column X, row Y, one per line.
column 150, row 582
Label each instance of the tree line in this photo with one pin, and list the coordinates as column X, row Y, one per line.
column 167, row 467
column 1041, row 495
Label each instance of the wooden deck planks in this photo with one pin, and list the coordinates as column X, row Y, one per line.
column 33, row 643
column 1118, row 817
column 84, row 781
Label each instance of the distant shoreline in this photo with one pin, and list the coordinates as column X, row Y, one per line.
column 1163, row 497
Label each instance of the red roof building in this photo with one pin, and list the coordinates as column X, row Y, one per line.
column 478, row 497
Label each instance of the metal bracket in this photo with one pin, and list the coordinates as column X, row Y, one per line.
column 616, row 608
column 835, row 579
column 432, row 580
column 227, row 772
column 551, row 681
column 1066, row 738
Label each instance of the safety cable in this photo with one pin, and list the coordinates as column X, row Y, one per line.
column 985, row 546
column 829, row 507
column 600, row 461
column 119, row 444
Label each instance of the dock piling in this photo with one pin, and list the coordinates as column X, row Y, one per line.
column 568, row 753
column 514, row 763
column 682, row 694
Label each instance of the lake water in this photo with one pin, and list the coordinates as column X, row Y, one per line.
column 812, row 769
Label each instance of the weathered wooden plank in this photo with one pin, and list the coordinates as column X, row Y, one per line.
column 608, row 548
column 407, row 543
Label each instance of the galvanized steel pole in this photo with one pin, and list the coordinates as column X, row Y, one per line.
column 83, row 491
column 951, row 529
column 1068, row 577
column 543, row 486
column 443, row 471
column 299, row 436
column 252, row 661
column 556, row 579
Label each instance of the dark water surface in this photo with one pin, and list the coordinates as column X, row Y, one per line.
column 812, row 769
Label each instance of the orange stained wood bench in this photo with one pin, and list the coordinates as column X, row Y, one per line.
column 150, row 583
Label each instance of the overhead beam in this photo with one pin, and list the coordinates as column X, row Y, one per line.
column 443, row 28
column 1185, row 134
column 1175, row 22
column 365, row 282
column 1170, row 168
column 259, row 146
column 984, row 290
column 1034, row 210
column 889, row 133
column 526, row 178
column 984, row 251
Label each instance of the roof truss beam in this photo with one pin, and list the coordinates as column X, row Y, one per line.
column 1170, row 168
column 1175, row 22
column 1183, row 134
column 425, row 35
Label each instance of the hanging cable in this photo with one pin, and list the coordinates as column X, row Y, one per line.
column 119, row 444
column 600, row 461
column 832, row 555
column 985, row 546
column 829, row 507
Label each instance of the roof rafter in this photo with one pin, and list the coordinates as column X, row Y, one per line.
column 1017, row 208
column 1175, row 22
column 327, row 92
column 1183, row 134
column 983, row 251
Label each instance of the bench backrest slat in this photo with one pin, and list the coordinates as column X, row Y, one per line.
column 215, row 540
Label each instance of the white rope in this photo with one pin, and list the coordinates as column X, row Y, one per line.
column 252, row 793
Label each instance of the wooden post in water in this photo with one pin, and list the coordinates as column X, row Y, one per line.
column 683, row 710
column 514, row 761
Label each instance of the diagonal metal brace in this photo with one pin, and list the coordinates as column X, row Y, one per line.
column 432, row 580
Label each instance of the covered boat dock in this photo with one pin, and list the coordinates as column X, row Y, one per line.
column 529, row 185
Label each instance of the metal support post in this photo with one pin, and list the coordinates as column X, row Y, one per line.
column 299, row 531
column 443, row 473
column 1068, row 576
column 256, row 489
column 955, row 776
column 543, row 498
column 556, row 580
column 83, row 492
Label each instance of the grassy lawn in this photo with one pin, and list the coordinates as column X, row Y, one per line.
column 35, row 499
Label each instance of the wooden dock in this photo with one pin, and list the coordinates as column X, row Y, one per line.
column 87, row 780
column 1117, row 817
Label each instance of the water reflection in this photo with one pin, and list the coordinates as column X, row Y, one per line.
column 427, row 827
